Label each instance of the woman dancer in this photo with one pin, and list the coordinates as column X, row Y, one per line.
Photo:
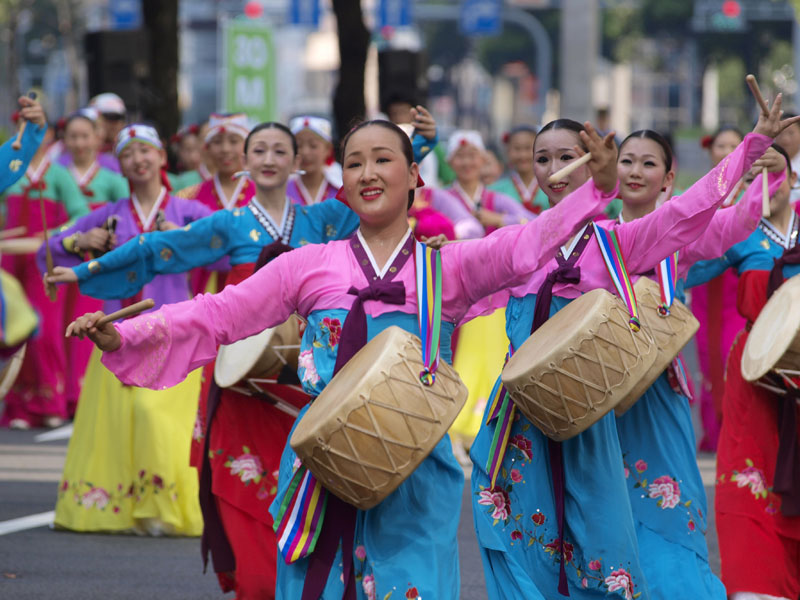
column 379, row 179
column 238, row 526
column 40, row 395
column 592, row 552
column 713, row 305
column 756, row 500
column 126, row 464
column 224, row 142
column 520, row 183
column 319, row 177
column 656, row 434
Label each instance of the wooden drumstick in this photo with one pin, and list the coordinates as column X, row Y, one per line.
column 51, row 287
column 575, row 164
column 17, row 143
column 751, row 81
column 765, row 212
column 128, row 311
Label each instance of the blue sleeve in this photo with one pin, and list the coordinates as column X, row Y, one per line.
column 122, row 272
column 330, row 220
column 10, row 170
column 705, row 270
column 422, row 146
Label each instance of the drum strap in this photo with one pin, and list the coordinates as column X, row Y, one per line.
column 612, row 256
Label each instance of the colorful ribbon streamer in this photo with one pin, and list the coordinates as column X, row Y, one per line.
column 667, row 272
column 429, row 307
column 300, row 517
column 612, row 255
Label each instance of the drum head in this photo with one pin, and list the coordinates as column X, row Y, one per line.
column 234, row 361
column 773, row 332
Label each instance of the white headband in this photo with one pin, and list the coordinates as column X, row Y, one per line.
column 137, row 133
column 464, row 137
column 320, row 126
column 238, row 124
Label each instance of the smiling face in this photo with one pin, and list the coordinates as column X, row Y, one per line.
column 141, row 163
column 520, row 152
column 81, row 140
column 313, row 151
column 723, row 144
column 467, row 162
column 270, row 158
column 377, row 176
column 554, row 150
column 225, row 150
column 642, row 171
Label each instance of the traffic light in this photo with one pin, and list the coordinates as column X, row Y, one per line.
column 729, row 17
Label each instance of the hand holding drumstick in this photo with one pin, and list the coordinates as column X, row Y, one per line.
column 30, row 110
column 601, row 158
column 100, row 327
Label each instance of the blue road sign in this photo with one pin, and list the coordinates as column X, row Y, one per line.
column 394, row 13
column 481, row 17
column 304, row 12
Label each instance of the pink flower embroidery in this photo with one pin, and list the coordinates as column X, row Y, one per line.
column 752, row 478
column 64, row 485
column 585, row 582
column 96, row 496
column 158, row 482
column 555, row 548
column 516, row 535
column 523, row 444
column 498, row 498
column 594, row 565
column 368, row 584
column 361, row 552
column 334, row 328
column 247, row 467
column 641, row 466
column 538, row 518
column 620, row 581
column 627, row 472
column 691, row 525
column 306, row 361
column 262, row 493
column 116, row 509
column 516, row 476
column 412, row 594
column 667, row 489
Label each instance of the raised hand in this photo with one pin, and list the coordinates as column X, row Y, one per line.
column 31, row 110
column 423, row 122
column 771, row 124
column 603, row 164
column 106, row 337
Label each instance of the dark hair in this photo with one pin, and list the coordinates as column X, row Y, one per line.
column 519, row 129
column 783, row 153
column 649, row 134
column 402, row 96
column 708, row 141
column 569, row 124
column 271, row 125
column 78, row 115
column 405, row 142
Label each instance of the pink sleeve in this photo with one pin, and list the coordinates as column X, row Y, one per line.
column 681, row 220
column 161, row 348
column 730, row 225
column 510, row 255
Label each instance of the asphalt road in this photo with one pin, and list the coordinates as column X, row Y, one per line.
column 40, row 563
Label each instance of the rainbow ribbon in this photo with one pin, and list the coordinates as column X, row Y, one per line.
column 298, row 527
column 612, row 255
column 667, row 281
column 504, row 410
column 428, row 263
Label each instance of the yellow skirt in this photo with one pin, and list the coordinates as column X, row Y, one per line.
column 482, row 347
column 127, row 465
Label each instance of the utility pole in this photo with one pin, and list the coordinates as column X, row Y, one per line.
column 580, row 45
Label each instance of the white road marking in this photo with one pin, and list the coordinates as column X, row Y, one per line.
column 61, row 433
column 29, row 522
